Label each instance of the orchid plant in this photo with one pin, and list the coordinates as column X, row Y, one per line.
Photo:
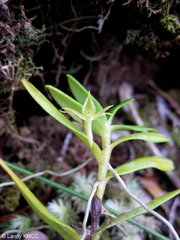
column 87, row 118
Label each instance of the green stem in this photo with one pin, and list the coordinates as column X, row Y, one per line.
column 88, row 130
column 101, row 178
column 103, row 165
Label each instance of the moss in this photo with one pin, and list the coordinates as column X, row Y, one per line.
column 170, row 22
column 10, row 198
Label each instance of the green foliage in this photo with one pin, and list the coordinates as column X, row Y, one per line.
column 66, row 231
column 80, row 93
column 148, row 137
column 135, row 212
column 90, row 119
column 143, row 163
column 170, row 23
column 132, row 128
column 9, row 198
column 150, row 16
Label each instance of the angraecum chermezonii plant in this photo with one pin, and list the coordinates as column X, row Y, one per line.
column 89, row 118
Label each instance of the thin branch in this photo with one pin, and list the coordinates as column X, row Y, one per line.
column 79, row 29
column 6, row 184
column 166, row 96
column 84, row 225
column 73, row 20
column 93, row 58
column 102, row 19
column 154, row 213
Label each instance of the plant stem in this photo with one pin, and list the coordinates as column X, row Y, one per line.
column 101, row 178
column 88, row 130
column 104, row 164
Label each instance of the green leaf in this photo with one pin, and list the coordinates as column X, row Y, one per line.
column 65, row 101
column 81, row 94
column 114, row 109
column 48, row 106
column 132, row 128
column 88, row 106
column 160, row 163
column 63, row 229
column 148, row 137
column 54, row 112
column 140, row 210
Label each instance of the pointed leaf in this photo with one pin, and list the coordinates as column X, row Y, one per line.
column 160, row 163
column 80, row 93
column 48, row 106
column 148, row 137
column 140, row 210
column 54, row 112
column 65, row 101
column 114, row 109
column 63, row 229
column 132, row 128
column 88, row 106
